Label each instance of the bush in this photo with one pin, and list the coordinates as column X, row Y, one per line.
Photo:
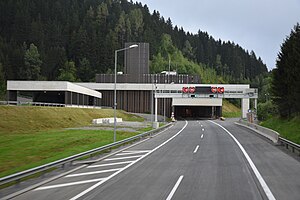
column 266, row 110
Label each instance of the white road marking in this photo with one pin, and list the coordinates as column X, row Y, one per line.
column 70, row 184
column 122, row 158
column 203, row 129
column 110, row 164
column 201, row 125
column 116, row 173
column 94, row 172
column 128, row 153
column 196, row 149
column 138, row 151
column 174, row 188
column 202, row 136
column 252, row 165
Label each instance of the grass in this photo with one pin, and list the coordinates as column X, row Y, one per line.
column 32, row 136
column 289, row 129
column 19, row 119
column 230, row 111
column 24, row 151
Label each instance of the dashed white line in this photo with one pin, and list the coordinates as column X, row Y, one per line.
column 122, row 158
column 116, row 173
column 110, row 164
column 203, row 129
column 252, row 165
column 94, row 172
column 202, row 136
column 70, row 184
column 174, row 188
column 196, row 149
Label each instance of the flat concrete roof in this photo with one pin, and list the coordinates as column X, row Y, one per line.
column 51, row 86
column 149, row 86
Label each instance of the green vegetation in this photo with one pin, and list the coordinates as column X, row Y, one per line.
column 33, row 44
column 26, row 150
column 230, row 111
column 280, row 94
column 288, row 129
column 266, row 110
column 33, row 119
column 31, row 136
column 286, row 80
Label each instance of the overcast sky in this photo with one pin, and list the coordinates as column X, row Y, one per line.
column 258, row 25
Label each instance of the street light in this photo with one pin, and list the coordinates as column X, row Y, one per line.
column 115, row 87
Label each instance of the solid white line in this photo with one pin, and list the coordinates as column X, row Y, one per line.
column 202, row 136
column 252, row 165
column 110, row 164
column 129, row 153
column 174, row 188
column 196, row 149
column 122, row 158
column 69, row 184
column 116, row 173
column 94, row 172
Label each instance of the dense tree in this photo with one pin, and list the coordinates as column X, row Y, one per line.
column 88, row 32
column 2, row 82
column 67, row 72
column 32, row 68
column 286, row 79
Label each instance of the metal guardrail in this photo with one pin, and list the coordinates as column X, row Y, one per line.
column 289, row 145
column 271, row 135
column 29, row 172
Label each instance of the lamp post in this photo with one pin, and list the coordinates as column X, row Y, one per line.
column 115, row 86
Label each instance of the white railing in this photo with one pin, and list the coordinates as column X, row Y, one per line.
column 23, row 103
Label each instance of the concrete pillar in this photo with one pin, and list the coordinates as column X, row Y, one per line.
column 155, row 123
column 255, row 104
column 245, row 107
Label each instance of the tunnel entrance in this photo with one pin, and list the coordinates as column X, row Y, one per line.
column 197, row 112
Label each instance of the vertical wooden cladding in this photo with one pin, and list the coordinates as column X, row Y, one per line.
column 148, row 78
column 135, row 101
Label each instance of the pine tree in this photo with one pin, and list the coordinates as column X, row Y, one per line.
column 67, row 72
column 33, row 63
column 2, row 82
column 286, row 79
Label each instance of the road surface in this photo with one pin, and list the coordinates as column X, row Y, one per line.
column 191, row 160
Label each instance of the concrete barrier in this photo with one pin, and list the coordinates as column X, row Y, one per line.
column 266, row 132
column 106, row 120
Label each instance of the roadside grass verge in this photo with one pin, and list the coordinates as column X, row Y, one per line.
column 19, row 152
column 22, row 119
column 288, row 129
column 230, row 111
column 33, row 136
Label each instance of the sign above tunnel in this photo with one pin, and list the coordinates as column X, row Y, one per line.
column 203, row 90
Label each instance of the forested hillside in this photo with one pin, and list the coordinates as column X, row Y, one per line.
column 74, row 39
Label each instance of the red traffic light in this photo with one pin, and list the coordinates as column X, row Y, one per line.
column 185, row 89
column 221, row 90
column 188, row 89
column 214, row 89
column 192, row 89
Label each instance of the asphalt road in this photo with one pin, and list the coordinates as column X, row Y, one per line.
column 191, row 160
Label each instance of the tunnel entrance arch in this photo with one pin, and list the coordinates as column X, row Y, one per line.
column 197, row 108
